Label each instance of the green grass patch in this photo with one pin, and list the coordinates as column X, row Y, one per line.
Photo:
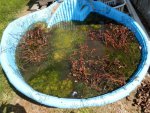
column 8, row 11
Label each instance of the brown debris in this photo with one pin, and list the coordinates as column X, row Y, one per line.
column 93, row 70
column 32, row 44
column 142, row 97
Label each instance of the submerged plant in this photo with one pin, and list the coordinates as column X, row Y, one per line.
column 108, row 72
column 117, row 36
column 51, row 83
column 95, row 71
column 33, row 44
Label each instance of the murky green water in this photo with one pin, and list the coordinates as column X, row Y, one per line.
column 70, row 43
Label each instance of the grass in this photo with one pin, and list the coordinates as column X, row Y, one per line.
column 8, row 12
column 6, row 93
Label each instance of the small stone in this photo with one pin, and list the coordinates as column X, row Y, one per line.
column 44, row 2
column 74, row 93
column 43, row 7
column 74, row 75
column 75, row 81
column 35, row 7
column 128, row 98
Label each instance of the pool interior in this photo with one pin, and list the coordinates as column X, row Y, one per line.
column 78, row 59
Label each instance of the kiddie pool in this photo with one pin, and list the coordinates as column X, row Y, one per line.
column 69, row 10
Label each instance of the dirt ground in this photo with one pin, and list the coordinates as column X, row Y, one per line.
column 21, row 105
column 122, row 106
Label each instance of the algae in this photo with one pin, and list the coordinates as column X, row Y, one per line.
column 51, row 83
column 64, row 41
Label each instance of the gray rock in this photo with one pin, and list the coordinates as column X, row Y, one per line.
column 43, row 7
column 35, row 7
column 44, row 2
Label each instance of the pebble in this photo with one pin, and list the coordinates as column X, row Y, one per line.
column 74, row 75
column 74, row 93
column 35, row 7
column 75, row 81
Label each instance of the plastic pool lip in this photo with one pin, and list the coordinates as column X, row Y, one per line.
column 68, row 7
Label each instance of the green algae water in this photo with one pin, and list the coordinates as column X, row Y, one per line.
column 78, row 59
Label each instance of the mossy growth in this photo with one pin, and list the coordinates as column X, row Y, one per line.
column 129, row 60
column 65, row 39
column 51, row 83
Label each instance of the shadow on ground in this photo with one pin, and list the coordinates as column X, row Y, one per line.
column 9, row 108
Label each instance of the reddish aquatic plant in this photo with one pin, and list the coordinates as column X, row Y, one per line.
column 95, row 34
column 116, row 36
column 100, row 72
column 113, row 35
column 93, row 70
column 32, row 46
